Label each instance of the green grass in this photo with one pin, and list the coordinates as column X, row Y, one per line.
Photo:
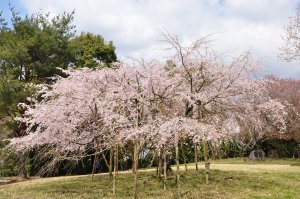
column 290, row 161
column 295, row 164
column 226, row 181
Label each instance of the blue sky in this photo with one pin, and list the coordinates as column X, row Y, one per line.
column 237, row 25
column 4, row 6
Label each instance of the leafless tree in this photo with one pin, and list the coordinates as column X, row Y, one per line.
column 290, row 49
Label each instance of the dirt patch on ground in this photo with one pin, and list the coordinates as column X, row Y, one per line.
column 256, row 167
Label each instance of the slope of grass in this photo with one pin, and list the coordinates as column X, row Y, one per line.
column 226, row 181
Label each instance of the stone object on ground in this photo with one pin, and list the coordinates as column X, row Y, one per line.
column 257, row 155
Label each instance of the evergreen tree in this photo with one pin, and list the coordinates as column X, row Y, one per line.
column 32, row 49
column 91, row 51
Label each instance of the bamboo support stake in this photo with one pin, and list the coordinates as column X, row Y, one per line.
column 117, row 162
column 207, row 164
column 165, row 171
column 207, row 170
column 183, row 156
column 135, row 168
column 177, row 164
column 196, row 156
column 115, row 170
column 111, row 162
column 157, row 165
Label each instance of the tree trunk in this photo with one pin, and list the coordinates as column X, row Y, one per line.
column 123, row 154
column 104, row 158
column 159, row 164
column 21, row 166
column 94, row 165
column 183, row 156
column 196, row 156
column 136, row 159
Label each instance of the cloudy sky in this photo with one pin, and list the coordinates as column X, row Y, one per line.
column 234, row 25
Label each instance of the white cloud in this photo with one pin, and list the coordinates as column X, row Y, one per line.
column 132, row 24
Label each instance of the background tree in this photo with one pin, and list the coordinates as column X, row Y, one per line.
column 32, row 48
column 287, row 90
column 91, row 51
column 12, row 92
column 290, row 49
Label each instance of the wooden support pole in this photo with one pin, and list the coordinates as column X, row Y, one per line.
column 111, row 153
column 183, row 156
column 117, row 162
column 196, row 156
column 136, row 159
column 165, row 171
column 115, row 170
column 177, row 165
column 207, row 164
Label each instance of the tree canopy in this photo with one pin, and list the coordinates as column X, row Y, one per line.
column 91, row 51
column 198, row 99
column 34, row 46
column 290, row 49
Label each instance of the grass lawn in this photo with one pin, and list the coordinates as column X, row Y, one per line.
column 228, row 180
column 292, row 162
